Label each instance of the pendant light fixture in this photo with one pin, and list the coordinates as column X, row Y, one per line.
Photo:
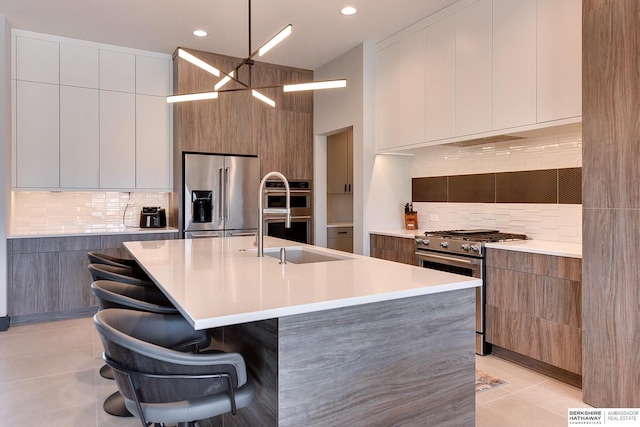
column 231, row 75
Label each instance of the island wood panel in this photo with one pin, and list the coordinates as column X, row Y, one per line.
column 611, row 220
column 402, row 362
column 398, row 249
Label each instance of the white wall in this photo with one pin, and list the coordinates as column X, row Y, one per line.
column 382, row 184
column 5, row 154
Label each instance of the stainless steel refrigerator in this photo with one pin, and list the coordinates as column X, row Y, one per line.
column 220, row 195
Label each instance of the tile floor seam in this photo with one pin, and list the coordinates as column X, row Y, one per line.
column 46, row 376
column 517, row 394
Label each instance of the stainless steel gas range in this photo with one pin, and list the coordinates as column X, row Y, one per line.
column 462, row 252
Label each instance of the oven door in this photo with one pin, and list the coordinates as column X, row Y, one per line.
column 466, row 266
column 300, row 230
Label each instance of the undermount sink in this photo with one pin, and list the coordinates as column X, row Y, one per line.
column 300, row 255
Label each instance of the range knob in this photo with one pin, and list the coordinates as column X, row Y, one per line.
column 465, row 247
column 475, row 248
column 425, row 242
column 444, row 244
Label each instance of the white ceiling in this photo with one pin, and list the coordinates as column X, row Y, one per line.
column 320, row 32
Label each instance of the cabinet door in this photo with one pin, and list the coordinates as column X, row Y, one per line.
column 78, row 66
column 75, row 281
column 350, row 160
column 153, row 144
column 474, row 68
column 411, row 71
column 37, row 60
column 37, row 135
column 79, row 138
column 387, row 99
column 514, row 63
column 440, row 79
column 117, row 140
column 153, row 76
column 559, row 59
column 117, row 71
column 337, row 161
column 34, row 280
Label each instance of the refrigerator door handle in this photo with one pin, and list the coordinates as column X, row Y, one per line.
column 220, row 191
column 226, row 194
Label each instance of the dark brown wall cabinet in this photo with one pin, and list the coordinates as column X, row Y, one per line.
column 534, row 306
column 49, row 279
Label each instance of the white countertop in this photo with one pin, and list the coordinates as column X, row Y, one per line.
column 221, row 281
column 399, row 232
column 572, row 250
column 88, row 232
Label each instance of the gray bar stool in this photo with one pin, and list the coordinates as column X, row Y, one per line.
column 118, row 274
column 136, row 269
column 164, row 386
column 112, row 294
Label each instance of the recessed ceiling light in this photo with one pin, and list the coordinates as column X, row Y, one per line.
column 200, row 33
column 349, row 10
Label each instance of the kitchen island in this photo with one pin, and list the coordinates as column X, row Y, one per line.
column 352, row 341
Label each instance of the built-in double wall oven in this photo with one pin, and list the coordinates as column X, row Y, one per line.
column 301, row 211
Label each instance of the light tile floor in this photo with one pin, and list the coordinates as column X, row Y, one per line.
column 49, row 376
column 528, row 398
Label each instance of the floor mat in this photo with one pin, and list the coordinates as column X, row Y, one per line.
column 486, row 382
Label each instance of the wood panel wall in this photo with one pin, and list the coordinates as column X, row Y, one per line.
column 238, row 123
column 611, row 203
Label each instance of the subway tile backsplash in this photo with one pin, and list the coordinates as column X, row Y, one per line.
column 33, row 211
column 560, row 222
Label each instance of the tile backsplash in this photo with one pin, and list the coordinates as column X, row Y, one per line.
column 553, row 222
column 33, row 211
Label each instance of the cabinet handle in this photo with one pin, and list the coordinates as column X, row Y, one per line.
column 349, row 188
column 342, row 232
column 345, row 188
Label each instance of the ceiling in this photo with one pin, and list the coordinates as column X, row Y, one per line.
column 320, row 32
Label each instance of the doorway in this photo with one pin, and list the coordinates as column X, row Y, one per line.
column 340, row 190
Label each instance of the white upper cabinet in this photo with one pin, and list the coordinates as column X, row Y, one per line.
column 37, row 60
column 78, row 66
column 153, row 145
column 387, row 99
column 514, row 63
column 117, row 71
column 440, row 79
column 38, row 128
column 490, row 67
column 117, row 140
column 79, row 137
column 559, row 59
column 474, row 69
column 153, row 76
column 90, row 116
column 411, row 59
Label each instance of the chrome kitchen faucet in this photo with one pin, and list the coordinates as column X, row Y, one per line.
column 262, row 211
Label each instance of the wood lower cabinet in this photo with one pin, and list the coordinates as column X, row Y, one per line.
column 398, row 249
column 48, row 276
column 534, row 306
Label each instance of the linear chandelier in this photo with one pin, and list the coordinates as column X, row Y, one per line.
column 249, row 61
